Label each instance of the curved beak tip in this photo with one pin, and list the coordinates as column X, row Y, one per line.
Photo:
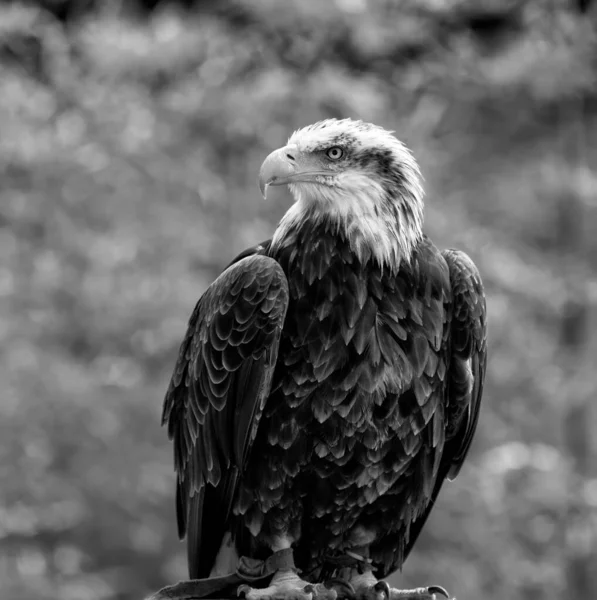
column 263, row 188
column 275, row 170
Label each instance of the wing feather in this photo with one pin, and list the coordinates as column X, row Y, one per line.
column 217, row 393
column 465, row 376
column 469, row 356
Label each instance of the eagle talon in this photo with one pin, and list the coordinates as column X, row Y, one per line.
column 247, row 592
column 288, row 586
column 438, row 589
column 320, row 591
column 382, row 591
column 383, row 587
column 343, row 588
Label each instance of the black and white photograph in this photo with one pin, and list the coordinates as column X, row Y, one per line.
column 298, row 300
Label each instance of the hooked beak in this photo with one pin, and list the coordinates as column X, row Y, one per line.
column 277, row 168
column 282, row 167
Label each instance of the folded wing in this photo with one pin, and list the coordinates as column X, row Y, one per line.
column 217, row 394
column 466, row 373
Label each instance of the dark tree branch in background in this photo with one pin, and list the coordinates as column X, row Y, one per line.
column 583, row 5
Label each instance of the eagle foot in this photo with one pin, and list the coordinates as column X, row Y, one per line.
column 287, row 585
column 343, row 588
column 382, row 591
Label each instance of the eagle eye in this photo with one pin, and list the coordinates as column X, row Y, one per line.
column 335, row 152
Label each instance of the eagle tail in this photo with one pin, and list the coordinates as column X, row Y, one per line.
column 194, row 537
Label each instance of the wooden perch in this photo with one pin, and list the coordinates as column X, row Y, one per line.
column 279, row 571
column 192, row 590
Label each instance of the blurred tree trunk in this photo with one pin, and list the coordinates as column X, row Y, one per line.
column 580, row 539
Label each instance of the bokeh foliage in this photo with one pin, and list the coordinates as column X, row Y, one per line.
column 130, row 140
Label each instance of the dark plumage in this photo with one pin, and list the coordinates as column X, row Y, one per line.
column 326, row 386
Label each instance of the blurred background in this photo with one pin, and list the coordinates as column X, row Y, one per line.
column 131, row 133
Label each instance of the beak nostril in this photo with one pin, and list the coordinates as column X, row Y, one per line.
column 290, row 156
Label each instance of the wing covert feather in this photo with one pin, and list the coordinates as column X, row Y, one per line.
column 465, row 377
column 218, row 391
column 469, row 356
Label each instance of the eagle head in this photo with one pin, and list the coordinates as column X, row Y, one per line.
column 358, row 179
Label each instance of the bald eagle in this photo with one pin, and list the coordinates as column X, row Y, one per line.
column 329, row 381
